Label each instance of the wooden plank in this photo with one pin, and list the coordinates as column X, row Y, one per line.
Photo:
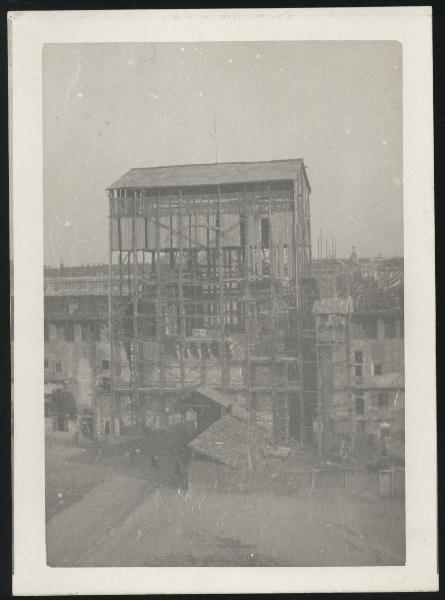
column 290, row 249
column 280, row 240
column 164, row 232
column 202, row 229
column 174, row 232
column 212, row 230
column 231, row 230
column 126, row 233
column 258, row 249
column 140, row 232
column 114, row 234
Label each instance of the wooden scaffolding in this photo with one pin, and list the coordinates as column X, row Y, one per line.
column 206, row 285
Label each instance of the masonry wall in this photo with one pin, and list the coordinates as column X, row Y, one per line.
column 361, row 378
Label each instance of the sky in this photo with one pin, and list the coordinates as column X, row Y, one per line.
column 108, row 108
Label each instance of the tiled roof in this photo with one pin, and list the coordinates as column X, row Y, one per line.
column 230, row 440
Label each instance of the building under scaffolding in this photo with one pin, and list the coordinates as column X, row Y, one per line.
column 209, row 287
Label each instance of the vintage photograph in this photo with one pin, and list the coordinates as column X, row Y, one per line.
column 224, row 304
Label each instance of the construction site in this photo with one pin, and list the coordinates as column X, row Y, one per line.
column 215, row 383
column 210, row 294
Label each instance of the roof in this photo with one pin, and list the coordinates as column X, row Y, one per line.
column 338, row 306
column 216, row 395
column 210, row 174
column 229, row 440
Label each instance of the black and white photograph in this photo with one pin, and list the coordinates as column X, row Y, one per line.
column 223, row 295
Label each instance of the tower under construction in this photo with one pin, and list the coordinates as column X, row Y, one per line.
column 209, row 286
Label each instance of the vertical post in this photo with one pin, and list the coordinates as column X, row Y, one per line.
column 181, row 297
column 135, row 312
column 320, row 414
column 221, row 291
column 297, row 217
column 272, row 311
column 110, row 308
column 308, row 225
column 348, row 368
column 195, row 262
column 159, row 310
column 119, row 237
column 251, row 410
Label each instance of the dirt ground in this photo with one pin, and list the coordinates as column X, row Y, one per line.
column 119, row 513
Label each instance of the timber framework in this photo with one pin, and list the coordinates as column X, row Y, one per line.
column 210, row 286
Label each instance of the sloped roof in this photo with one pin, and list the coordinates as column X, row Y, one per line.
column 338, row 306
column 209, row 174
column 216, row 395
column 229, row 440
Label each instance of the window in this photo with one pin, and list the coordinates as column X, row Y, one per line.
column 242, row 231
column 359, row 405
column 61, row 423
column 370, row 327
column 46, row 363
column 377, row 369
column 361, row 427
column 293, row 371
column 58, row 367
column 90, row 332
column 171, row 232
column 265, row 242
column 105, row 365
column 285, row 261
column 280, row 370
column 390, row 327
column 69, row 332
column 383, row 400
column 358, row 370
column 358, row 356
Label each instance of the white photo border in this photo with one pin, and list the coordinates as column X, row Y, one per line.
column 28, row 32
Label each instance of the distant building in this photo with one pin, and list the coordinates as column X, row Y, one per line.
column 360, row 352
column 77, row 348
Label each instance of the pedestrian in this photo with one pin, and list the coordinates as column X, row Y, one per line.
column 155, row 461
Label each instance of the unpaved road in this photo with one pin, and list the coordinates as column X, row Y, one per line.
column 126, row 521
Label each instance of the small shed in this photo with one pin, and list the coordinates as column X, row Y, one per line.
column 229, row 455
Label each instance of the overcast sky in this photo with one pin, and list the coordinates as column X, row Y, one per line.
column 112, row 107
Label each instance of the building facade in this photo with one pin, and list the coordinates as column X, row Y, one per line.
column 77, row 348
column 361, row 384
